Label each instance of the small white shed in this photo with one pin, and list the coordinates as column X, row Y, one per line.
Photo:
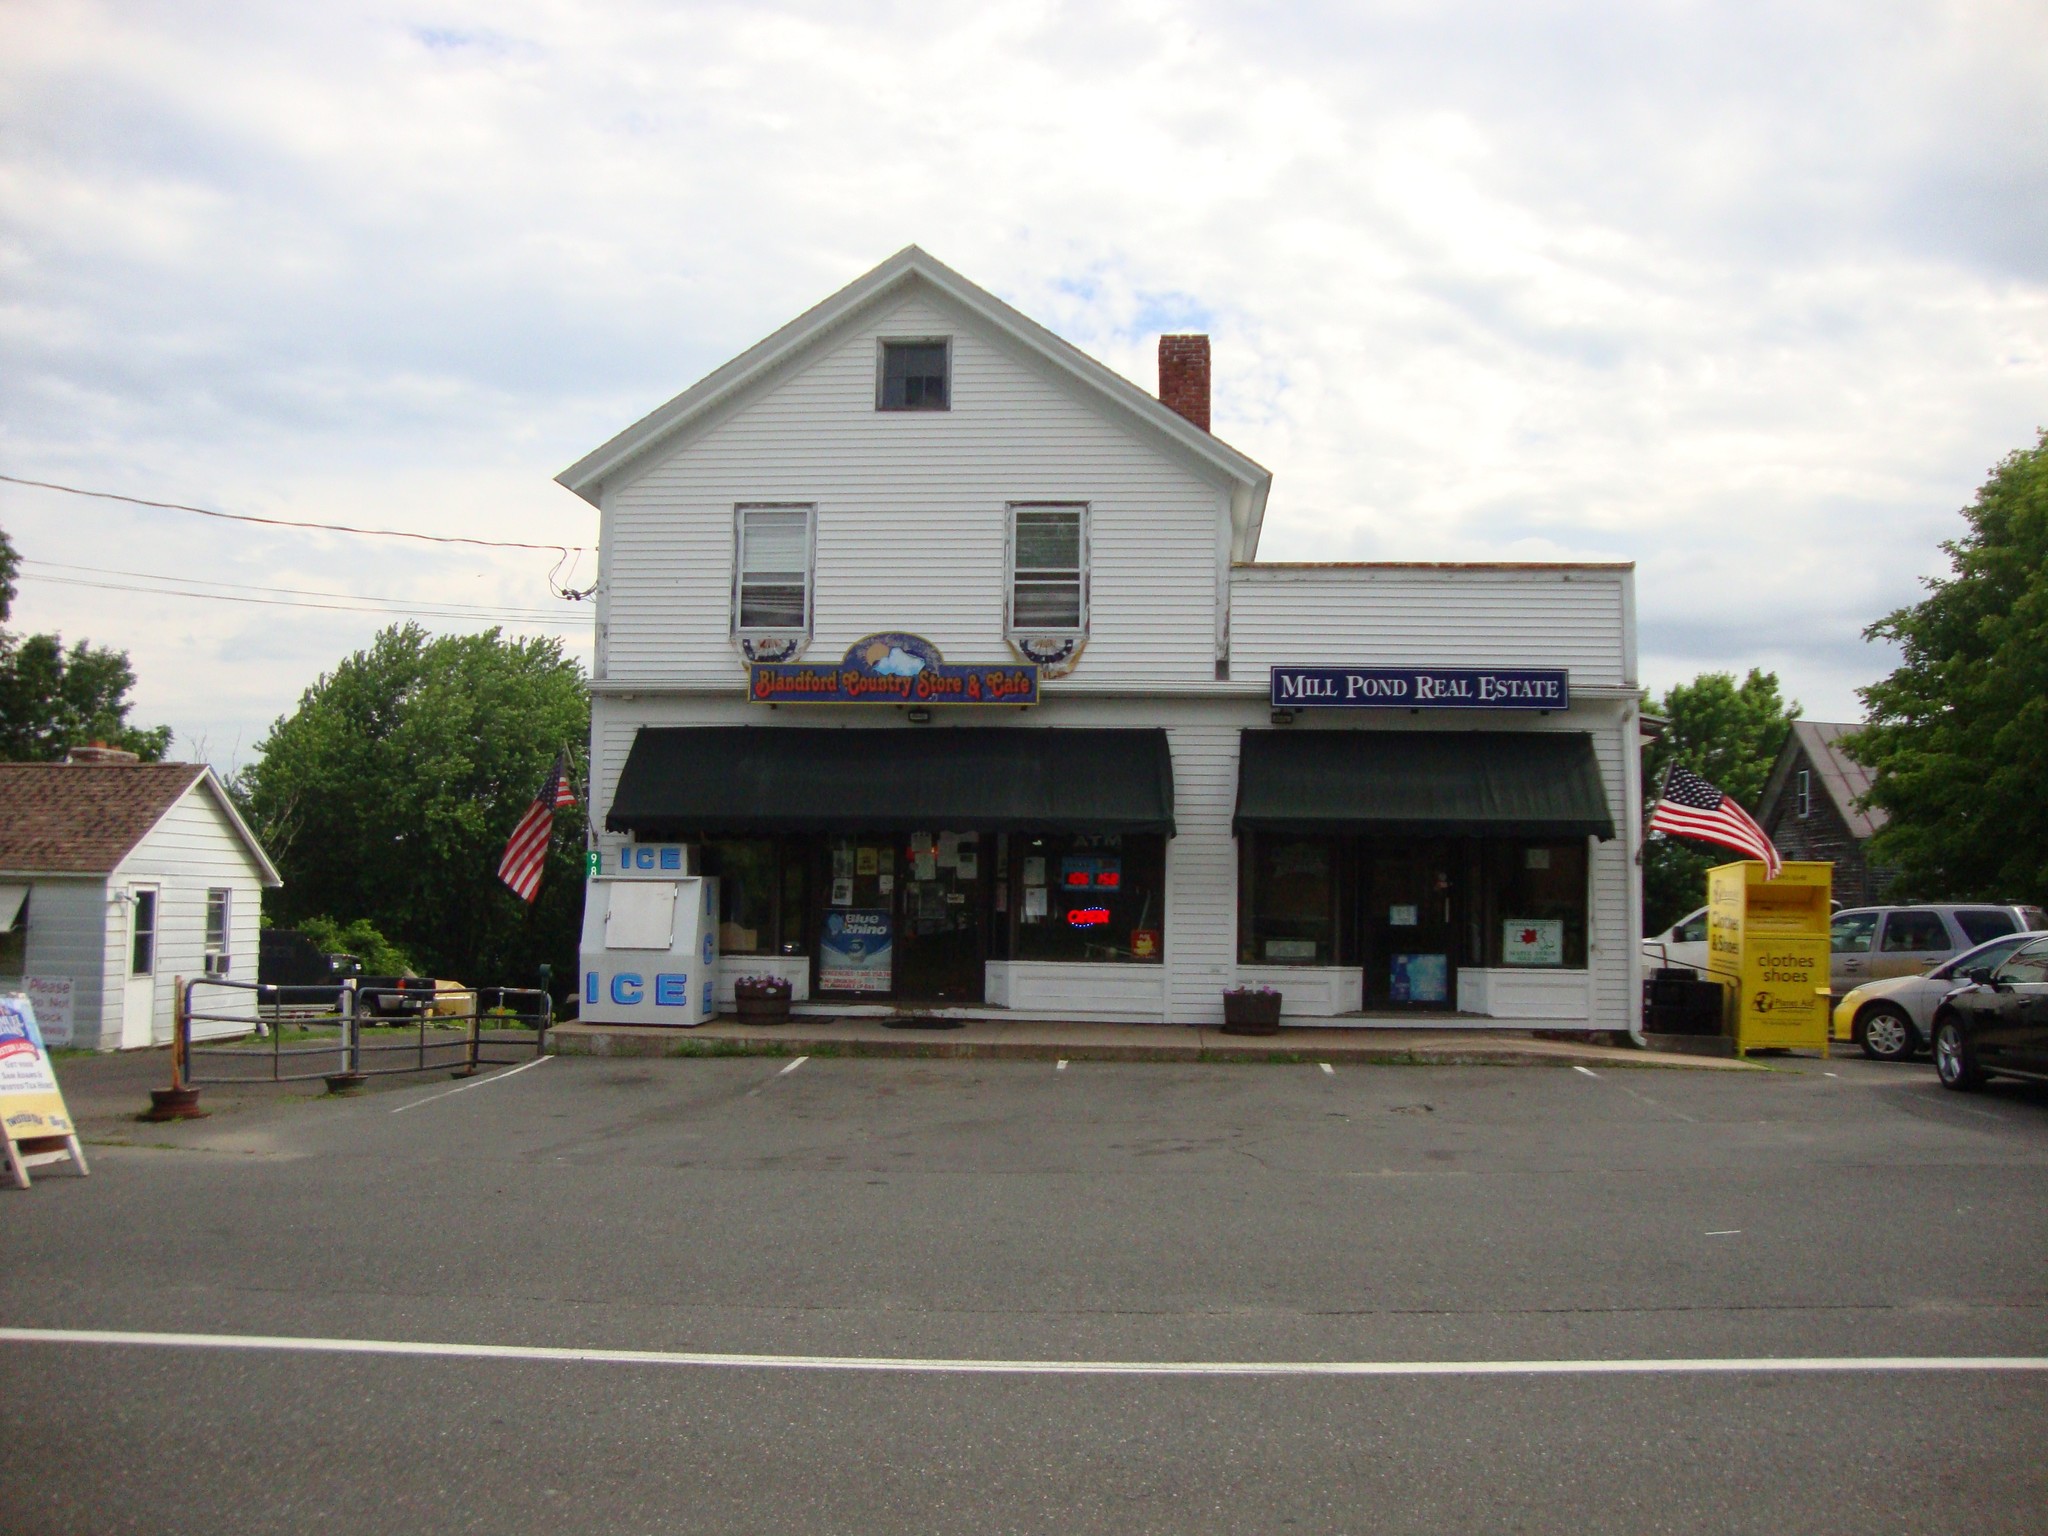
column 116, row 878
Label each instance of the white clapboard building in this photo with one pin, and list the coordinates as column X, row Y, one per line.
column 116, row 879
column 949, row 652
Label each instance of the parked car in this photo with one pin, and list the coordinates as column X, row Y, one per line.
column 1996, row 1023
column 1892, row 1019
column 1682, row 946
column 394, row 997
column 1873, row 943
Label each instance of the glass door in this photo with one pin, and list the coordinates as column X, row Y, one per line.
column 1410, row 922
column 857, row 929
column 941, row 940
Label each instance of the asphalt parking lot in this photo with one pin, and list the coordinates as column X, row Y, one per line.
column 1085, row 1217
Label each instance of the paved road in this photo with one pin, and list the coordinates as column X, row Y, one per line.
column 1018, row 1211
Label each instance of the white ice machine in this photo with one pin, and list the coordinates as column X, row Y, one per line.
column 650, row 941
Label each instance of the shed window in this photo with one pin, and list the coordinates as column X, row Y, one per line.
column 916, row 376
column 217, row 907
column 1805, row 793
column 772, row 580
column 1048, row 570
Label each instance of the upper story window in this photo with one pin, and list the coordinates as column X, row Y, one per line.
column 916, row 376
column 772, row 571
column 1048, row 569
column 1805, row 778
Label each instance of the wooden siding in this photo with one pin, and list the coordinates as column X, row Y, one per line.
column 1432, row 616
column 1201, row 862
column 193, row 849
column 911, row 517
column 67, row 936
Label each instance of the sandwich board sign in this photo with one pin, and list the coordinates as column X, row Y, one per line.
column 35, row 1127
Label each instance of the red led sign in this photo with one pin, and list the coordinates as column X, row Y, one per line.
column 1109, row 878
column 1088, row 917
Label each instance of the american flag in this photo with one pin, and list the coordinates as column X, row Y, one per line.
column 526, row 851
column 1691, row 807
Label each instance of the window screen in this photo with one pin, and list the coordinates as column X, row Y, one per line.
column 217, row 901
column 915, row 376
column 1048, row 570
column 1986, row 924
column 1914, row 933
column 774, row 568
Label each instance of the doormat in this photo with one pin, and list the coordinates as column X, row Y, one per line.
column 913, row 1022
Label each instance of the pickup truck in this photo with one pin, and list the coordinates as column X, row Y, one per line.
column 393, row 997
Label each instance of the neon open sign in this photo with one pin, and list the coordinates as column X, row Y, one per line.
column 1088, row 917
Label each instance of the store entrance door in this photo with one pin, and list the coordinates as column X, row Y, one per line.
column 1410, row 920
column 939, row 926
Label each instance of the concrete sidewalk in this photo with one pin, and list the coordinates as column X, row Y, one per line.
column 1046, row 1040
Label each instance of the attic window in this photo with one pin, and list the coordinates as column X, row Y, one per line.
column 1805, row 793
column 916, row 376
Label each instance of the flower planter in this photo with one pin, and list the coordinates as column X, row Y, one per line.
column 758, row 1002
column 1251, row 1013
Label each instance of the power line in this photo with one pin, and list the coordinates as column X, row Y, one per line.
column 484, row 609
column 564, row 550
column 285, row 602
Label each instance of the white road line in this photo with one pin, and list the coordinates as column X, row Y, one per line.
column 793, row 1066
column 1730, row 1232
column 1827, row 1074
column 1765, row 1364
column 1587, row 1070
column 1327, row 1068
column 479, row 1083
column 1060, row 1065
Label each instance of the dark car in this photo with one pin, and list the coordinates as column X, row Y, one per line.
column 294, row 970
column 1996, row 1023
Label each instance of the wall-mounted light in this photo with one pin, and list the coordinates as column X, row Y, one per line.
column 1283, row 717
column 920, row 717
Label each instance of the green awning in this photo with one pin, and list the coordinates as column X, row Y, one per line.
column 1422, row 783
column 688, row 781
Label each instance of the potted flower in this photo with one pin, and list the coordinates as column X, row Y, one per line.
column 1251, row 1011
column 762, row 999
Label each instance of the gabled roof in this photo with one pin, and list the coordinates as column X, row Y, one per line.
column 85, row 818
column 1844, row 779
column 587, row 475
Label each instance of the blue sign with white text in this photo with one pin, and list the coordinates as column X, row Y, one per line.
column 1544, row 688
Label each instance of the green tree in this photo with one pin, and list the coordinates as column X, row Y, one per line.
column 360, row 938
column 390, row 791
column 1958, row 739
column 53, row 699
column 1729, row 734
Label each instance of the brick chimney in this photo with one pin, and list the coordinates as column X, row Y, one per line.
column 100, row 752
column 1184, row 377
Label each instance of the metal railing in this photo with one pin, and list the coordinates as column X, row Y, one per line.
column 244, row 1031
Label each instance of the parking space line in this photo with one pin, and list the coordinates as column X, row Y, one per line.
column 479, row 1083
column 1587, row 1070
column 1060, row 1065
column 1737, row 1365
column 1327, row 1068
column 793, row 1066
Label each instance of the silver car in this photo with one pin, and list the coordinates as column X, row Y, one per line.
column 1875, row 943
column 1892, row 1019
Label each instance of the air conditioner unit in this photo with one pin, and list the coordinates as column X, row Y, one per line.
column 217, row 963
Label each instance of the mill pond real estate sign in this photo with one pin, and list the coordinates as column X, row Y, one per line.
column 1544, row 688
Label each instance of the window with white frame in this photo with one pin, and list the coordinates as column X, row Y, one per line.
column 771, row 590
column 218, row 901
column 1805, row 777
column 1048, row 568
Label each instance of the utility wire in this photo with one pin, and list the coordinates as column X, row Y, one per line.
column 561, row 622
column 482, row 609
column 565, row 551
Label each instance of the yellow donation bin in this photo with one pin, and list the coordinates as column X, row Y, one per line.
column 1767, row 943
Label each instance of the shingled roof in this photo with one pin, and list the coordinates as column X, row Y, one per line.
column 84, row 818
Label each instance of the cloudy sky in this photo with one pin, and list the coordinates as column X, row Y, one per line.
column 1751, row 294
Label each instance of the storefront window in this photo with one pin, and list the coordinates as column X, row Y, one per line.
column 1088, row 897
column 762, row 890
column 1534, row 898
column 1288, row 891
